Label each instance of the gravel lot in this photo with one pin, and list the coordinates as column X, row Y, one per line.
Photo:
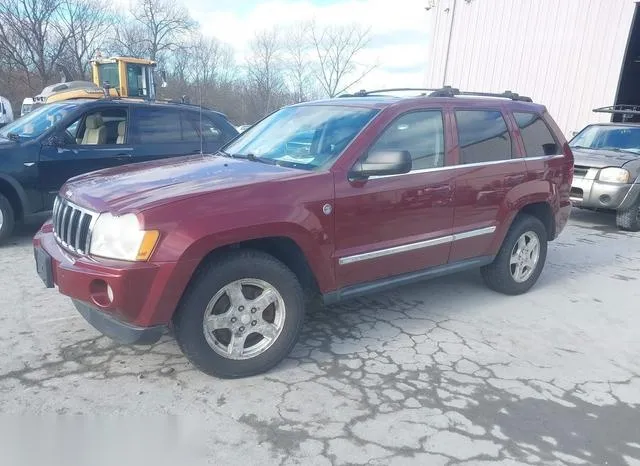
column 445, row 372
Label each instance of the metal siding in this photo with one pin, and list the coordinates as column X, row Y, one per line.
column 565, row 54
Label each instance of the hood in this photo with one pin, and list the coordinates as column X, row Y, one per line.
column 136, row 187
column 600, row 158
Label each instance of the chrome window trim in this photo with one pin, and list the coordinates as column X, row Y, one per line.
column 417, row 245
column 471, row 165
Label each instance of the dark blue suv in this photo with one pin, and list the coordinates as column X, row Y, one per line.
column 58, row 141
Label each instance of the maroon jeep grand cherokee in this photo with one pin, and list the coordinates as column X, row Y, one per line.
column 331, row 198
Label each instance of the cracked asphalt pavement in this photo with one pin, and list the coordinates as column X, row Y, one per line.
column 443, row 372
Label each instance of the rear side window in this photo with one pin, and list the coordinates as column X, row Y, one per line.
column 157, row 125
column 483, row 136
column 419, row 133
column 538, row 140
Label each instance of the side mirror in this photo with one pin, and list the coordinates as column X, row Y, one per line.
column 382, row 163
column 56, row 141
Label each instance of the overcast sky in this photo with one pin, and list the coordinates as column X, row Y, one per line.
column 400, row 29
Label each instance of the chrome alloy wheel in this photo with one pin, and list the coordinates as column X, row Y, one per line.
column 244, row 319
column 525, row 256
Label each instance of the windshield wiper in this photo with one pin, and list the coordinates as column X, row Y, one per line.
column 251, row 157
column 582, row 147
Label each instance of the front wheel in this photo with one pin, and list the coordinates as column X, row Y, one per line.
column 7, row 219
column 521, row 258
column 629, row 219
column 242, row 315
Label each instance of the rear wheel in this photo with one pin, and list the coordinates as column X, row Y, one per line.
column 7, row 219
column 241, row 316
column 629, row 219
column 521, row 258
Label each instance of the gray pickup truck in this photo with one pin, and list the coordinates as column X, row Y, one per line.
column 607, row 167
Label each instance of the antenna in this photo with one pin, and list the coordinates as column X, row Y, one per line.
column 200, row 113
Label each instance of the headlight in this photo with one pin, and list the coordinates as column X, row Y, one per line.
column 614, row 175
column 122, row 238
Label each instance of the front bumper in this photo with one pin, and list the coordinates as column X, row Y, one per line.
column 590, row 193
column 131, row 302
column 117, row 330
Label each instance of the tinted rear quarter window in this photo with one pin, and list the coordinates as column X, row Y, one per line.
column 483, row 136
column 537, row 138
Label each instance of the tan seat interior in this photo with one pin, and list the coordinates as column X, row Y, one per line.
column 122, row 128
column 95, row 132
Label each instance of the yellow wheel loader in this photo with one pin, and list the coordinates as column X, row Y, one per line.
column 112, row 77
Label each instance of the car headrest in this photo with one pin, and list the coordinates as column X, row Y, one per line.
column 93, row 121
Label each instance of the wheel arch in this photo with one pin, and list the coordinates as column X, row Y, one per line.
column 16, row 196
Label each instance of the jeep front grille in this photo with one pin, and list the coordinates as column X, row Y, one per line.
column 72, row 225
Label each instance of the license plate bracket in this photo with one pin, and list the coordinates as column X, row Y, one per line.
column 44, row 267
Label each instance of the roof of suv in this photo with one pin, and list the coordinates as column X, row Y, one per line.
column 443, row 96
column 138, row 102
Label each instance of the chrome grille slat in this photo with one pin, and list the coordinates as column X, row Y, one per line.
column 72, row 225
column 77, row 242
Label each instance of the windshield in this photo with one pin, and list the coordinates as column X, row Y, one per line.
column 305, row 137
column 623, row 138
column 34, row 123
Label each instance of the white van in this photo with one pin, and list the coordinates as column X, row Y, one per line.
column 6, row 112
column 27, row 105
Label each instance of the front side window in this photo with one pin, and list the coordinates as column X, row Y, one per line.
column 306, row 137
column 419, row 133
column 38, row 121
column 608, row 137
column 483, row 136
column 102, row 126
column 536, row 136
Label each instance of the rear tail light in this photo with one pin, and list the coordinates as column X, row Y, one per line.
column 568, row 170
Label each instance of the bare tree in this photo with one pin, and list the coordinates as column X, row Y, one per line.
column 129, row 39
column 299, row 61
column 87, row 26
column 163, row 24
column 32, row 37
column 265, row 71
column 336, row 49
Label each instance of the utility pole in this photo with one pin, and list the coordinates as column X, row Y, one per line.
column 446, row 58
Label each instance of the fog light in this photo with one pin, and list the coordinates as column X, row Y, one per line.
column 605, row 199
column 101, row 293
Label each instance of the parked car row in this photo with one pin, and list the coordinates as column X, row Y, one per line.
column 323, row 200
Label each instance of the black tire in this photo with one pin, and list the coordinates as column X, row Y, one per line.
column 498, row 275
column 629, row 219
column 8, row 219
column 221, row 271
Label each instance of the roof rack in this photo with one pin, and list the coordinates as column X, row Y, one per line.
column 446, row 91
column 619, row 109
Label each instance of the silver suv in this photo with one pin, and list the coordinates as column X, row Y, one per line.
column 607, row 167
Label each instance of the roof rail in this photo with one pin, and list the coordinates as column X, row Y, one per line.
column 619, row 109
column 446, row 91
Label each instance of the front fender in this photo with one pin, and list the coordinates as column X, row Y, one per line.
column 18, row 191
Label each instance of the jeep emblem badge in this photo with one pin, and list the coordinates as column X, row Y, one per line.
column 327, row 209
